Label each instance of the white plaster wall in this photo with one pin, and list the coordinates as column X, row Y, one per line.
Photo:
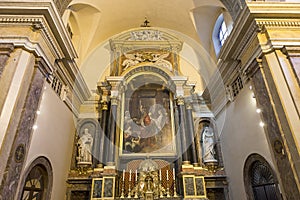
column 53, row 139
column 241, row 136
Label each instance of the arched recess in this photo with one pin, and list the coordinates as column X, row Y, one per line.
column 199, row 125
column 88, row 17
column 204, row 16
column 93, row 127
column 37, row 180
column 260, row 181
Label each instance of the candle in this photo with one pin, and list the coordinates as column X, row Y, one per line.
column 174, row 174
column 130, row 175
column 136, row 177
column 160, row 174
column 167, row 175
column 123, row 175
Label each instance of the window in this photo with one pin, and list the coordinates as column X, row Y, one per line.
column 34, row 184
column 236, row 86
column 223, row 33
column 56, row 85
column 260, row 180
column 37, row 181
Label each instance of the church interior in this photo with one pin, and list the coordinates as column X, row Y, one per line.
column 193, row 99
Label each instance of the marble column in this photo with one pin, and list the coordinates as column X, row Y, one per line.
column 182, row 128
column 281, row 143
column 112, row 130
column 23, row 134
column 103, row 128
column 191, row 131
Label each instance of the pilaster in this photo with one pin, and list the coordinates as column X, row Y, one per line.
column 21, row 144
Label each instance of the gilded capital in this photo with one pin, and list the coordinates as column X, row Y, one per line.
column 114, row 101
column 188, row 106
column 180, row 100
column 104, row 105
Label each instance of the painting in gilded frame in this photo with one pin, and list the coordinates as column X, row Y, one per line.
column 147, row 127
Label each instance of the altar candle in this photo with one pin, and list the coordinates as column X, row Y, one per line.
column 123, row 175
column 136, row 175
column 160, row 174
column 130, row 175
column 173, row 173
column 167, row 175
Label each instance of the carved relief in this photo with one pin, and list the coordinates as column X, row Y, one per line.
column 160, row 59
column 146, row 35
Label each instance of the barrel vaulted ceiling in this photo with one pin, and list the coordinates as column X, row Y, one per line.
column 94, row 22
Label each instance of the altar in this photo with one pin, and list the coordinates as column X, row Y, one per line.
column 154, row 138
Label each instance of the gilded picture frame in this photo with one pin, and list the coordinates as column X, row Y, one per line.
column 97, row 189
column 147, row 122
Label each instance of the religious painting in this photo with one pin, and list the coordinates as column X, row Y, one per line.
column 147, row 127
column 96, row 189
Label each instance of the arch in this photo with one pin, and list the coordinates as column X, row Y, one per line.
column 40, row 166
column 259, row 178
column 199, row 124
column 88, row 17
column 147, row 68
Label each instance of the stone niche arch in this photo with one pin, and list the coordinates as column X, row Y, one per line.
column 41, row 166
column 260, row 180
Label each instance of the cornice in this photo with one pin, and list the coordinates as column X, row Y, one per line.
column 42, row 14
column 56, row 52
column 37, row 23
column 278, row 23
column 274, row 9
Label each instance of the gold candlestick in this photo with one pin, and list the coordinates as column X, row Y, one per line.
column 168, row 190
column 161, row 190
column 122, row 193
column 129, row 190
column 175, row 193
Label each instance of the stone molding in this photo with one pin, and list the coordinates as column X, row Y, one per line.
column 37, row 24
column 56, row 49
column 6, row 48
column 278, row 23
column 255, row 19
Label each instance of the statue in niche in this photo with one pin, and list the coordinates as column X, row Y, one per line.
column 85, row 144
column 208, row 145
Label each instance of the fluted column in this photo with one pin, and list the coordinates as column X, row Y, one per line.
column 190, row 129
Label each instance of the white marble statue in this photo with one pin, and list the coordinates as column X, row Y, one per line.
column 85, row 144
column 208, row 145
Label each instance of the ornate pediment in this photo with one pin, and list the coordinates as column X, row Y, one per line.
column 145, row 45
